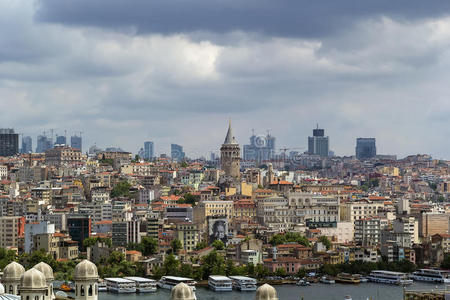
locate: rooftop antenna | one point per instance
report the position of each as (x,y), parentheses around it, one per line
(317,125)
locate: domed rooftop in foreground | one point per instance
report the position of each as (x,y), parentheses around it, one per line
(85,270)
(13,272)
(33,280)
(4,296)
(46,270)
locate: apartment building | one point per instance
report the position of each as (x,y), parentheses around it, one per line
(12,228)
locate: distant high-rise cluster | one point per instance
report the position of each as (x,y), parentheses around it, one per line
(61,140)
(43,143)
(9,142)
(176,152)
(27,145)
(318,144)
(149,150)
(76,142)
(365,148)
(261,148)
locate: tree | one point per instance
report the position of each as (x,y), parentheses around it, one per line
(213,264)
(302,272)
(175,245)
(171,265)
(446,262)
(201,245)
(261,271)
(149,246)
(184,164)
(188,198)
(116,257)
(325,241)
(280,272)
(186,270)
(122,189)
(218,245)
(289,237)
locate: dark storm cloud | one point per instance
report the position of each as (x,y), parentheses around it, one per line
(293,18)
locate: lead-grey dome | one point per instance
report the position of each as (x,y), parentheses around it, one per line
(13,272)
(33,280)
(46,270)
(85,270)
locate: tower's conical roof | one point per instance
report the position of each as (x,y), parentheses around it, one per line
(229,139)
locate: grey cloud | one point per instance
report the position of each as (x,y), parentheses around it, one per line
(295,18)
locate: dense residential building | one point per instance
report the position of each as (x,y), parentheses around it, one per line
(12,228)
(62,155)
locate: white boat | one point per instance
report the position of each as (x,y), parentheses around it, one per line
(431,275)
(120,285)
(327,280)
(102,287)
(303,282)
(220,283)
(244,283)
(389,277)
(143,285)
(168,282)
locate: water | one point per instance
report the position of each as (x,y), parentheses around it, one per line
(316,291)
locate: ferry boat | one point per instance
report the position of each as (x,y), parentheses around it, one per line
(303,282)
(347,278)
(120,285)
(143,285)
(102,286)
(327,280)
(431,275)
(244,283)
(168,282)
(220,283)
(381,276)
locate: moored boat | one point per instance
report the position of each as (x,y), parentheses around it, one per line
(389,277)
(220,283)
(169,282)
(431,275)
(347,278)
(143,285)
(244,283)
(120,285)
(327,280)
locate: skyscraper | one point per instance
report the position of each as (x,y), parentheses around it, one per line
(318,144)
(365,148)
(9,142)
(27,144)
(148,150)
(75,142)
(61,140)
(230,155)
(43,144)
(261,148)
(176,152)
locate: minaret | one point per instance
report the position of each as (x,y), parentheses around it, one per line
(11,277)
(230,155)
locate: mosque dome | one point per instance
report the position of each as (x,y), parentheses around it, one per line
(266,292)
(46,270)
(33,280)
(85,270)
(182,292)
(13,272)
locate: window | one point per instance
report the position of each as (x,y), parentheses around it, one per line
(82,290)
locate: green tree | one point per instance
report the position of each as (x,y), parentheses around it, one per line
(122,189)
(116,257)
(149,246)
(188,198)
(280,272)
(213,264)
(184,164)
(171,265)
(186,270)
(325,241)
(218,245)
(302,272)
(175,245)
(201,245)
(261,271)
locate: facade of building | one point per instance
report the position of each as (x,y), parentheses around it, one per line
(261,148)
(61,140)
(318,144)
(9,142)
(79,228)
(43,143)
(149,153)
(368,232)
(35,228)
(365,148)
(60,155)
(176,152)
(12,228)
(189,235)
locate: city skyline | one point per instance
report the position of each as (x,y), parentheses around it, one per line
(379,71)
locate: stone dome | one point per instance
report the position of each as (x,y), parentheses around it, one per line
(266,292)
(46,270)
(13,272)
(85,270)
(33,280)
(182,292)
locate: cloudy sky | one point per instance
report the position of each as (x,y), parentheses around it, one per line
(123,72)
